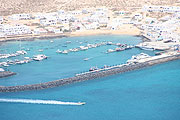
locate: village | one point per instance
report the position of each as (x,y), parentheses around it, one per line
(139,22)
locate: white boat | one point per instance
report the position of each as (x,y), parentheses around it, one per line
(65,52)
(40,50)
(21,52)
(27,57)
(110,50)
(86,59)
(83,47)
(58,51)
(39,57)
(67,42)
(2,70)
(109,43)
(119,49)
(5,64)
(21,62)
(81,103)
(51,41)
(147,48)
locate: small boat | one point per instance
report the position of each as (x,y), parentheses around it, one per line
(109,43)
(39,57)
(27,57)
(58,51)
(81,103)
(64,46)
(27,49)
(40,50)
(65,52)
(93,68)
(83,47)
(86,59)
(5,64)
(119,49)
(21,52)
(147,48)
(22,62)
(67,42)
(128,47)
(10,62)
(110,50)
(51,41)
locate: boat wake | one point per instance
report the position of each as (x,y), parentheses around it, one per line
(30,101)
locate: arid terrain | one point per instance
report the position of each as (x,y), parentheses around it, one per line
(8,7)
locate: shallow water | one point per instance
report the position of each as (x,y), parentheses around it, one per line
(147,94)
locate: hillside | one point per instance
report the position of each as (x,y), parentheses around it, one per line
(29,6)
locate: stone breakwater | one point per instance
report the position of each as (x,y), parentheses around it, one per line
(6,74)
(89,76)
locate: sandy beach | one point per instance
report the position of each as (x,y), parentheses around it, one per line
(124,30)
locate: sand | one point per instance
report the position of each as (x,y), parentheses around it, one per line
(124,30)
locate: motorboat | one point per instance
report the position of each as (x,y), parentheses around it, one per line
(39,57)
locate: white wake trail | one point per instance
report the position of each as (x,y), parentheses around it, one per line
(30,101)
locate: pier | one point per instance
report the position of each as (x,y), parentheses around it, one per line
(96,74)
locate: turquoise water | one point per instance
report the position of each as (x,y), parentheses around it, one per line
(62,66)
(148,94)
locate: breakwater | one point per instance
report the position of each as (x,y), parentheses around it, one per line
(90,75)
(6,74)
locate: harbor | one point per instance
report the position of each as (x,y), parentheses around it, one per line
(97,73)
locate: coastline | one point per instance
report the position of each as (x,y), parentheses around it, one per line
(125,30)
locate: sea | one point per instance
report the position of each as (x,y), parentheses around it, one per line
(151,93)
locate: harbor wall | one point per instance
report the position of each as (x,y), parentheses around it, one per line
(88,76)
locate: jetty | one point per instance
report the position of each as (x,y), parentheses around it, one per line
(153,60)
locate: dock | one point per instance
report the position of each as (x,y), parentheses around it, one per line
(154,60)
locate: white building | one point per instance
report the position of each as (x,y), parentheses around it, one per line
(138,16)
(20,16)
(166,9)
(48,22)
(9,30)
(91,26)
(1,19)
(61,12)
(38,31)
(2,34)
(77,12)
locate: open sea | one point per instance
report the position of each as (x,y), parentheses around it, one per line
(152,93)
